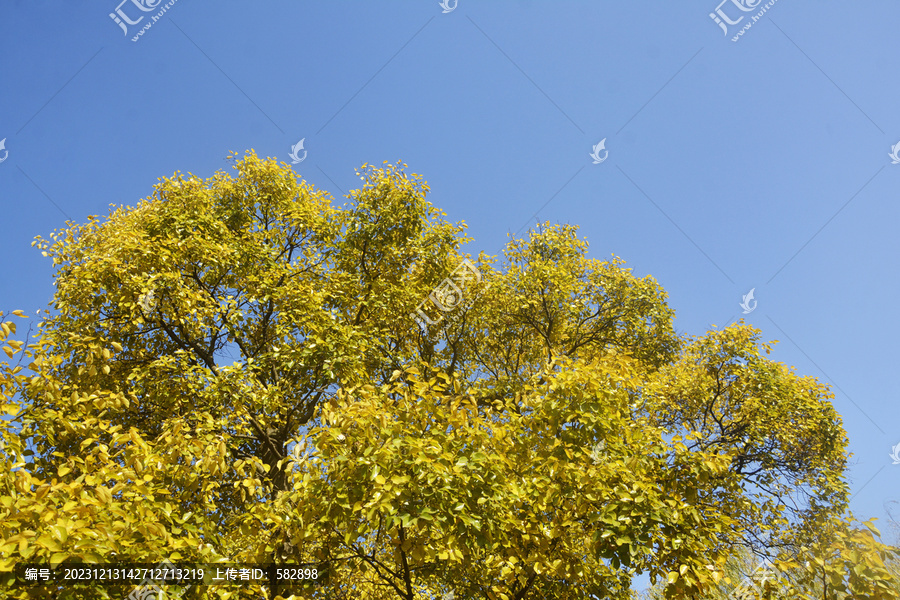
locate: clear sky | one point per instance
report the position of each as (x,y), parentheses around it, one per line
(761,163)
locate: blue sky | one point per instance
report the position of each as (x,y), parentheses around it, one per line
(761,163)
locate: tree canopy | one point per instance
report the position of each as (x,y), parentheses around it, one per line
(237,370)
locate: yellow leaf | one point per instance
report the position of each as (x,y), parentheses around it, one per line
(57,558)
(60,533)
(104,494)
(49,543)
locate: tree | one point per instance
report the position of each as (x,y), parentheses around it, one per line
(104,502)
(845,561)
(250,374)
